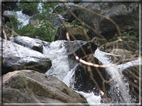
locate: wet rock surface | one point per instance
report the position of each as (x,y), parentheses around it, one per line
(89,79)
(34,44)
(16,57)
(80,48)
(27,86)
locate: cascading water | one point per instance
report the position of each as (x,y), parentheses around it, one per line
(60,69)
(57,53)
(122,93)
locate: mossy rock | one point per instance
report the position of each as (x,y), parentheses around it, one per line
(76,32)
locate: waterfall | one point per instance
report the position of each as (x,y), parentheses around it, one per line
(60,69)
(122,92)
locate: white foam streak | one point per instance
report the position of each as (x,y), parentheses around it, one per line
(69,75)
(129,64)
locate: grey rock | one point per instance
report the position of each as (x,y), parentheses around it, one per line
(56,19)
(31,43)
(16,57)
(27,86)
(125,15)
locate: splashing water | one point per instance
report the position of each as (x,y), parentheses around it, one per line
(60,68)
(122,92)
(90,97)
(57,53)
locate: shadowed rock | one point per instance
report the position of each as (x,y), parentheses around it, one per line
(16,57)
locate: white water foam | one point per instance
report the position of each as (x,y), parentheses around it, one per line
(91,98)
(57,53)
(39,7)
(60,68)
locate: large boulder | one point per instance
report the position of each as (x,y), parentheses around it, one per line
(125,15)
(27,86)
(34,44)
(16,57)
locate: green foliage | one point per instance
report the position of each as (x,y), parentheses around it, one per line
(75,22)
(29,6)
(13,23)
(43,29)
(129,35)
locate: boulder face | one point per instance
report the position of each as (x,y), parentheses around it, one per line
(16,57)
(27,86)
